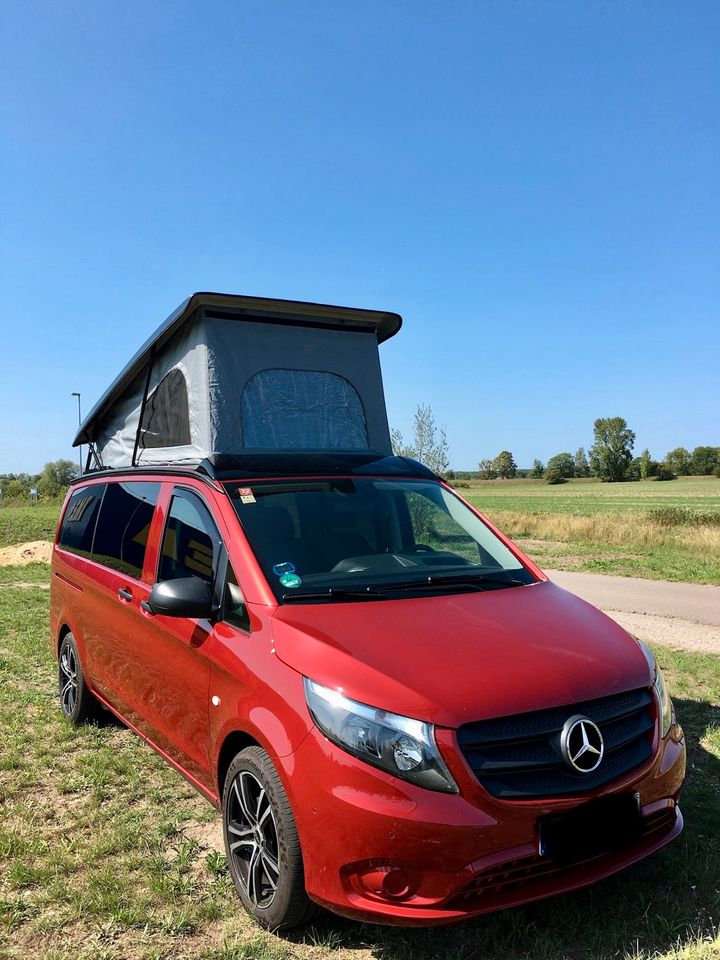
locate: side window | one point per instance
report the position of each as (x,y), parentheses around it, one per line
(78,526)
(123,526)
(166,418)
(234,609)
(191,541)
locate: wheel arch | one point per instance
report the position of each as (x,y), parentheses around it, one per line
(234,742)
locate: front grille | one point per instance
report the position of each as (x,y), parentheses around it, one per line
(518,757)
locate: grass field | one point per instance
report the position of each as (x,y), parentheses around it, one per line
(104,848)
(666,531)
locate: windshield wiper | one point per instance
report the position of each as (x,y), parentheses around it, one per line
(336,593)
(477,581)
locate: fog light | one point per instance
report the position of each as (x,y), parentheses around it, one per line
(396,884)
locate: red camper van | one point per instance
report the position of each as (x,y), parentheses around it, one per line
(400,717)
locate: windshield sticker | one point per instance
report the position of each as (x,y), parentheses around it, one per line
(246,495)
(291,580)
(280,568)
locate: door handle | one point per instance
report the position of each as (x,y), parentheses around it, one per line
(125,595)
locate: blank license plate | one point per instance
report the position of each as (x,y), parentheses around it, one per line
(599,826)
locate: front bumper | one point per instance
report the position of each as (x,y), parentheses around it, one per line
(382,850)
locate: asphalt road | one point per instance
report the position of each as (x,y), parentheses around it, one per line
(683,615)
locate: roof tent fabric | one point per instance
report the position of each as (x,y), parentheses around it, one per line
(227,375)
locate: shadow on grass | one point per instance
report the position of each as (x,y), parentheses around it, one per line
(668,900)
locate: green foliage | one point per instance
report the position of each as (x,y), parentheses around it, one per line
(429,446)
(538,469)
(504,465)
(582,467)
(664,472)
(562,464)
(679,461)
(554,475)
(487,471)
(56,478)
(644,463)
(703,460)
(611,454)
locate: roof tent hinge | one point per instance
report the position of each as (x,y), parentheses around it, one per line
(92,455)
(151,360)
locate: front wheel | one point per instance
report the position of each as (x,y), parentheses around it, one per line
(261,843)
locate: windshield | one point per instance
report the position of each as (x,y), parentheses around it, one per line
(367,538)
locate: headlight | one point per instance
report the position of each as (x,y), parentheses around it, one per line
(403,747)
(660,688)
(664,701)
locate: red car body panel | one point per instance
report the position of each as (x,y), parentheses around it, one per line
(499,652)
(192,687)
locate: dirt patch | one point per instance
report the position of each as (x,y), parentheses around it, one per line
(19,555)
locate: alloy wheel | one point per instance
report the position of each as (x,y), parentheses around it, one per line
(68,679)
(253,839)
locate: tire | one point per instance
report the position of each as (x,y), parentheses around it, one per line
(262,845)
(76,701)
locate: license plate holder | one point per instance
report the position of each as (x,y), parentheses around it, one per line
(596,827)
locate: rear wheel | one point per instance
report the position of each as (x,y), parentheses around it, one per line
(76,701)
(261,843)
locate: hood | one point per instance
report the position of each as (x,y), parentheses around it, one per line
(453,659)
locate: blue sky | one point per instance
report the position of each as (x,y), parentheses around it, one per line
(535,186)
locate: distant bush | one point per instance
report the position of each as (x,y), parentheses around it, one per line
(664,472)
(681,517)
(716,471)
(554,475)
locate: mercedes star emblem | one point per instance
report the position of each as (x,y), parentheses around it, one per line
(581,744)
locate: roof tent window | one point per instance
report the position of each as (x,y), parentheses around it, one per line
(166,419)
(302,410)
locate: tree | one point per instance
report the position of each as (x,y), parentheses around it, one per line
(703,460)
(55,478)
(538,469)
(611,454)
(582,467)
(554,475)
(504,465)
(486,469)
(678,460)
(644,464)
(429,444)
(564,463)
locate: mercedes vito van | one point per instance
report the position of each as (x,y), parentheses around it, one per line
(399,716)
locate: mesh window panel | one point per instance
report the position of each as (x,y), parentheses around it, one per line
(302,410)
(166,419)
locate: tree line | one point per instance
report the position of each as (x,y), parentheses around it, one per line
(51,483)
(610,459)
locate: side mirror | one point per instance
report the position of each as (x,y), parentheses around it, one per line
(184,597)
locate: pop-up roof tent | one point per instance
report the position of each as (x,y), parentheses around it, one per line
(227,374)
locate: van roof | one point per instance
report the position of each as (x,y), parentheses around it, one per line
(225,306)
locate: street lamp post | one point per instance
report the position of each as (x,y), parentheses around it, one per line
(76,394)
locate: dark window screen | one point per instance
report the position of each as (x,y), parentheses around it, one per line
(78,526)
(166,418)
(191,541)
(123,526)
(302,410)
